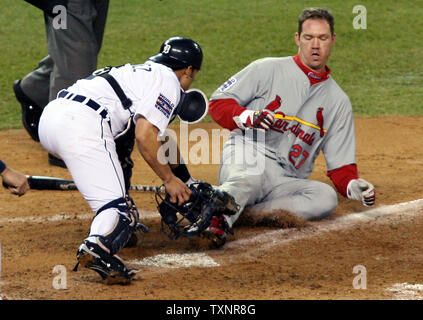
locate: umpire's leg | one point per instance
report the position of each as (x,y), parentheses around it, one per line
(74,49)
(36,84)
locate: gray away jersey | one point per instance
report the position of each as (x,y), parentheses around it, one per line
(295,138)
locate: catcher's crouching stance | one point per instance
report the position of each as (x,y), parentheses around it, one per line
(84,128)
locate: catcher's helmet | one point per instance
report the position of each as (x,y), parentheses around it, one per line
(179,53)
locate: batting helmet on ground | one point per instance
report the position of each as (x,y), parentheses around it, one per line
(179,53)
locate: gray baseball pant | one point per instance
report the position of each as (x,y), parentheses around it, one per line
(72,51)
(259,182)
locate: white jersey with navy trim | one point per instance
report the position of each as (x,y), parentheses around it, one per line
(153,88)
(83,135)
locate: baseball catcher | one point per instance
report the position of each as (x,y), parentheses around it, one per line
(93,125)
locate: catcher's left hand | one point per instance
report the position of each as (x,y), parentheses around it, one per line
(361,190)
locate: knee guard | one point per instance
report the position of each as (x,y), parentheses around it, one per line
(126,225)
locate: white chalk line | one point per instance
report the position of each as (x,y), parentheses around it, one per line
(270,239)
(406,291)
(263,241)
(267,240)
(144,214)
(185,260)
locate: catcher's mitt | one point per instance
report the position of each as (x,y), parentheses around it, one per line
(194,216)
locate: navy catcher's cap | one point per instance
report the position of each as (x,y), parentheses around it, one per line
(179,53)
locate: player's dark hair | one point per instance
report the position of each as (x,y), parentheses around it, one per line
(316,13)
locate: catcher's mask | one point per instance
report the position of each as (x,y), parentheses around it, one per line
(193,106)
(189,219)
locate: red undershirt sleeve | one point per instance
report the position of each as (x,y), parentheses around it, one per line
(223,112)
(342,176)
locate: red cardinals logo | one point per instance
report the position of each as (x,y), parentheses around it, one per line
(320,121)
(275,104)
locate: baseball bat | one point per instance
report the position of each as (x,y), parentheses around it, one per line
(53,183)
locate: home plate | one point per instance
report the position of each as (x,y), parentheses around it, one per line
(185,260)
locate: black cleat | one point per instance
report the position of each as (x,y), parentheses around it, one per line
(31,112)
(111,268)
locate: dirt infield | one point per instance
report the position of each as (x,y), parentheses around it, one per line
(321,260)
